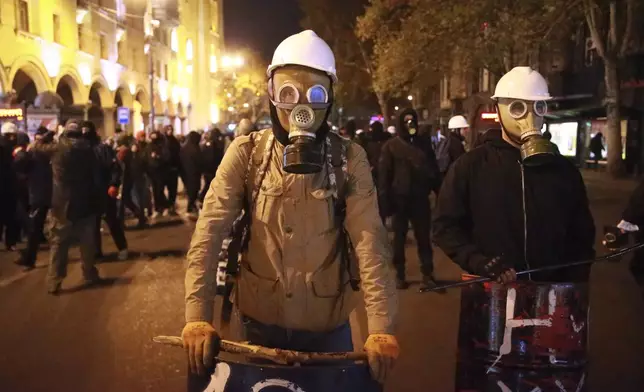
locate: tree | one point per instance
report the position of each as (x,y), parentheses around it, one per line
(242,90)
(335,22)
(610,23)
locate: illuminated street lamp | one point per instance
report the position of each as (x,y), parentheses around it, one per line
(410,98)
(246,105)
(396,108)
(231,109)
(232,62)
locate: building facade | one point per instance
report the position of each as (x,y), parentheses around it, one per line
(111,61)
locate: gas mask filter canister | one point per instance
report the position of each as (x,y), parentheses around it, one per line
(303,155)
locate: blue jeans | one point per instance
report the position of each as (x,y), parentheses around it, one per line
(273,336)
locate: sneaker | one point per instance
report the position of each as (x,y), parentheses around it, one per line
(401,284)
(123,254)
(429,284)
(156,214)
(54,289)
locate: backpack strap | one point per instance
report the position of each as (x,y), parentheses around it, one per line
(258,162)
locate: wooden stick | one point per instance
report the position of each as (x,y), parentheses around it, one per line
(283,357)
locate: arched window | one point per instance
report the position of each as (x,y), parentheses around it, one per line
(174,41)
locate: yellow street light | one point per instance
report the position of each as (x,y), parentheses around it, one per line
(231,109)
(246,105)
(409,97)
(396,108)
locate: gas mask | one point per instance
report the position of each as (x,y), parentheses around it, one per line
(522,122)
(301,98)
(412,129)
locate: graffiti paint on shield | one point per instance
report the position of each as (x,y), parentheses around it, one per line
(220,377)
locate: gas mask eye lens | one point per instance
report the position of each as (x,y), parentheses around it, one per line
(288,94)
(540,108)
(317,94)
(518,109)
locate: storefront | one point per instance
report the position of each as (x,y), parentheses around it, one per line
(14,114)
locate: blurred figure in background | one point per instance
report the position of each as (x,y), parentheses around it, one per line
(109,179)
(191,161)
(173,169)
(141,184)
(244,128)
(157,162)
(73,204)
(9,224)
(125,158)
(212,151)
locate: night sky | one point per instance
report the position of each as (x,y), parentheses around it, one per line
(260,24)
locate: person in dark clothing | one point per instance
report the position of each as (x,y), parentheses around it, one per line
(407,174)
(500,211)
(191,161)
(109,180)
(73,205)
(173,169)
(372,143)
(10,226)
(450,148)
(597,148)
(157,162)
(125,158)
(139,167)
(37,167)
(632,222)
(212,152)
(349,130)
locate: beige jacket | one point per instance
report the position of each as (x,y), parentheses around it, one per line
(289,275)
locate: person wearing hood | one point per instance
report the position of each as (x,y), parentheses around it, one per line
(295,288)
(74,203)
(125,159)
(372,143)
(173,170)
(158,164)
(407,174)
(140,172)
(37,167)
(514,203)
(212,151)
(109,180)
(10,222)
(450,148)
(191,161)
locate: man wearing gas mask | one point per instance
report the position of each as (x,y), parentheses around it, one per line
(408,174)
(309,194)
(514,203)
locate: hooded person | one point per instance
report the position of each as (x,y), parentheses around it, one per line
(74,203)
(514,203)
(450,148)
(109,176)
(173,169)
(157,163)
(192,163)
(293,289)
(407,174)
(212,151)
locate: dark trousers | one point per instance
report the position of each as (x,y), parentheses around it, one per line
(115,225)
(192,184)
(171,182)
(207,179)
(35,237)
(128,202)
(417,211)
(62,235)
(158,184)
(276,337)
(10,228)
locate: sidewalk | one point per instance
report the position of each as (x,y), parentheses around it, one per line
(601,179)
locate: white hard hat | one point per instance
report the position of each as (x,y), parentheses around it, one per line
(522,83)
(306,49)
(457,122)
(9,127)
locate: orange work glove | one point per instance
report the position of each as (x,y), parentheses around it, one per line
(201,342)
(113,192)
(382,352)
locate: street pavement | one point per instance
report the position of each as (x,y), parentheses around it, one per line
(99,339)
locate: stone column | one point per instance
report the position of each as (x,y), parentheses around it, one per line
(109,121)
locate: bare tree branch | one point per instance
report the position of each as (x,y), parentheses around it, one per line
(628,30)
(589,12)
(612,26)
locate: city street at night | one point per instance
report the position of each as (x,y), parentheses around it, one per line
(100,339)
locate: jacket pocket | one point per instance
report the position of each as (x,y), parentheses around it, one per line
(257,296)
(321,212)
(331,296)
(268,203)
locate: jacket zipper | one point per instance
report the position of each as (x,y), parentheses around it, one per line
(525,221)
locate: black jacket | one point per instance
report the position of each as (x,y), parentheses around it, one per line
(212,151)
(157,157)
(36,167)
(191,158)
(480,212)
(372,142)
(75,186)
(174,151)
